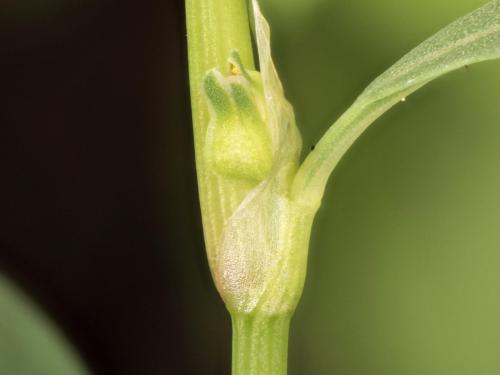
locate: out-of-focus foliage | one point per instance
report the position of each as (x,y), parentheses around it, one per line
(403,275)
(29,342)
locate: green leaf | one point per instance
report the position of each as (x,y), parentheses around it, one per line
(471,39)
(30,343)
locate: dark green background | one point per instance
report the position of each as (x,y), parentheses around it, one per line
(102,226)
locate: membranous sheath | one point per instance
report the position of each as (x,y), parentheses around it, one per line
(252,139)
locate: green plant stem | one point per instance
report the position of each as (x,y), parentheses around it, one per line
(260,344)
(214,29)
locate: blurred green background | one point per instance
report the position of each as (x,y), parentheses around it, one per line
(404,270)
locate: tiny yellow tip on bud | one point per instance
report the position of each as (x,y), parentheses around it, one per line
(235,71)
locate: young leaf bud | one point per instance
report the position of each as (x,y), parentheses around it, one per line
(238,144)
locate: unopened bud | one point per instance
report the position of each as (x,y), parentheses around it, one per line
(238,143)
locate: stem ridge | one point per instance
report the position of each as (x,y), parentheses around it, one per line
(260,344)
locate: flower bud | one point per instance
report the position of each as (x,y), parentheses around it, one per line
(238,144)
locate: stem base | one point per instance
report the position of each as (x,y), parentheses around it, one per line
(260,344)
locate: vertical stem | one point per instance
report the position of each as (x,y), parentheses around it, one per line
(260,344)
(214,28)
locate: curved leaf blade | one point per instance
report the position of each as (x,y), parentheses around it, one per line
(470,39)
